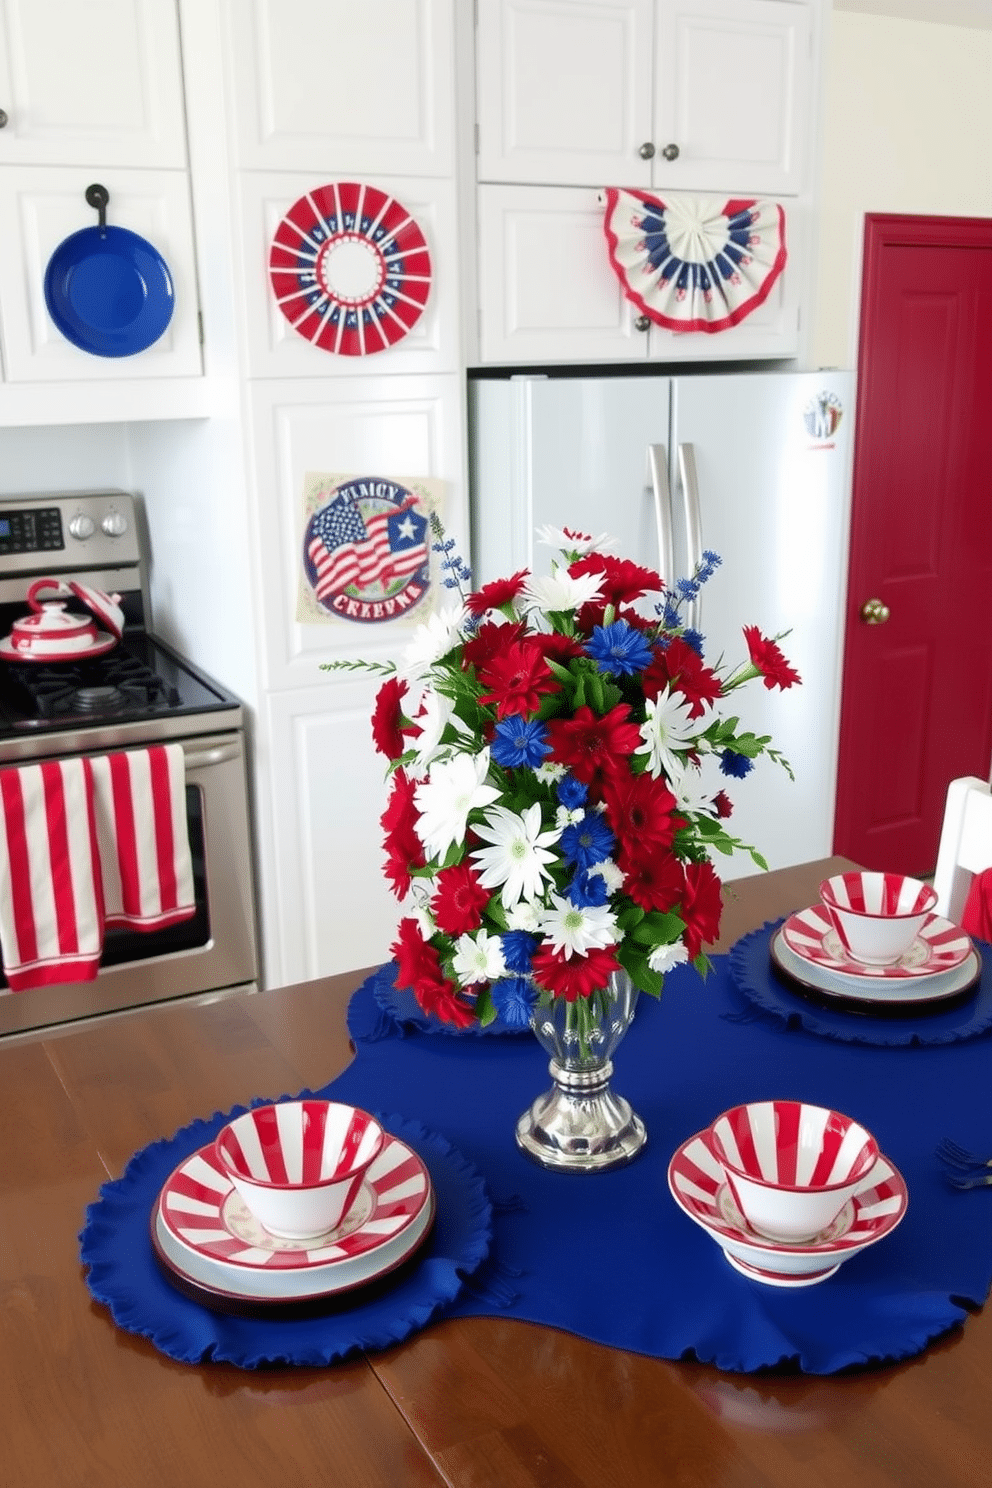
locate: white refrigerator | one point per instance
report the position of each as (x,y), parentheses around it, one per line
(755,466)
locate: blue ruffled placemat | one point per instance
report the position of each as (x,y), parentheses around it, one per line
(125,1277)
(753,973)
(401,1011)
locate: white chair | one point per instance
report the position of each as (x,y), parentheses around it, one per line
(965,843)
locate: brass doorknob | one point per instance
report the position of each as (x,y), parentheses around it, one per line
(874,612)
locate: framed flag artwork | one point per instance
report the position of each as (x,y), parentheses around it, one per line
(366,549)
(350,269)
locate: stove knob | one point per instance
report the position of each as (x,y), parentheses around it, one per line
(82,526)
(114,524)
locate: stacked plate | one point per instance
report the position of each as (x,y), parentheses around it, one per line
(698,1183)
(940,965)
(213,1248)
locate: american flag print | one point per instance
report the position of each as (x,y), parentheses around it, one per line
(366,551)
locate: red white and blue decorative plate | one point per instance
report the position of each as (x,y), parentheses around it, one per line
(939,947)
(205,1234)
(350,269)
(699,1186)
(694,263)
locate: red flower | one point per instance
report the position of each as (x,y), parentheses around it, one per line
(767,657)
(639,809)
(497,594)
(620,580)
(459,900)
(591,746)
(489,640)
(387,718)
(560,648)
(574,976)
(517,679)
(724,805)
(404,849)
(419,968)
(678,665)
(654,878)
(702,906)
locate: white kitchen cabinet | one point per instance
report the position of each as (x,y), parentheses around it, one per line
(277,349)
(548,292)
(326,85)
(41,207)
(694,95)
(100,81)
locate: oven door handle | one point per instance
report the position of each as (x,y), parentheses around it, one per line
(196,759)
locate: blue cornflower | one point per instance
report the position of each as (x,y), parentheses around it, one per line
(618,648)
(688,588)
(738,765)
(588,889)
(518,741)
(711,562)
(694,639)
(572,792)
(587,842)
(514,998)
(518,950)
(669,614)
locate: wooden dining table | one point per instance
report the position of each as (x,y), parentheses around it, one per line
(470,1402)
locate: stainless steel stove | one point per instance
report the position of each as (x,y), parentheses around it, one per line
(140,692)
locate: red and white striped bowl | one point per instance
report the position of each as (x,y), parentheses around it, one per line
(791,1166)
(877,915)
(299,1165)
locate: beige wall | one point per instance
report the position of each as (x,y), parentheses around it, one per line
(907,128)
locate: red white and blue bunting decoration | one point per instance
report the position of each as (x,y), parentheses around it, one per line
(350,269)
(694,263)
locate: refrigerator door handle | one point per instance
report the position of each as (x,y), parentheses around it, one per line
(689,481)
(662,495)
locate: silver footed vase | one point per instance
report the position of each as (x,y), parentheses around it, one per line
(580,1125)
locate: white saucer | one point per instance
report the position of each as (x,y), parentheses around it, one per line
(698,1185)
(203,1232)
(875,992)
(38,657)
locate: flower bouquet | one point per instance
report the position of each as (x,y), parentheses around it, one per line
(549,828)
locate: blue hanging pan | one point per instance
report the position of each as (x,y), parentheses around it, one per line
(108,290)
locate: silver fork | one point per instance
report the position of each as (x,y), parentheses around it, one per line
(969,1180)
(959,1157)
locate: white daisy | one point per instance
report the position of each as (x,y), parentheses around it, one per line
(574,542)
(558,591)
(478,958)
(575,930)
(524,916)
(667,729)
(550,774)
(518,854)
(452,789)
(431,640)
(564,817)
(435,714)
(692,794)
(664,957)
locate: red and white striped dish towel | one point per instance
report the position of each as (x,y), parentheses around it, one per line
(84,843)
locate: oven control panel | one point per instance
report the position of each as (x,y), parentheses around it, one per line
(63,530)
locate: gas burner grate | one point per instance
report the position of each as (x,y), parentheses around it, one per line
(104,687)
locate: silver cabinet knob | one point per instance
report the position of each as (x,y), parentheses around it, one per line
(642,323)
(3,117)
(874,612)
(82,526)
(646,151)
(114,524)
(671,152)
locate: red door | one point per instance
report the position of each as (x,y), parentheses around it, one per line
(916,707)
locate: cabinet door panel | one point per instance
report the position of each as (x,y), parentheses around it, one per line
(564,91)
(100,81)
(39,210)
(733,79)
(546,288)
(277,349)
(382,426)
(326,906)
(354,85)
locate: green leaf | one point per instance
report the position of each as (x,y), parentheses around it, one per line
(485,1011)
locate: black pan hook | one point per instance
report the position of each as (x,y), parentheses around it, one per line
(98,196)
